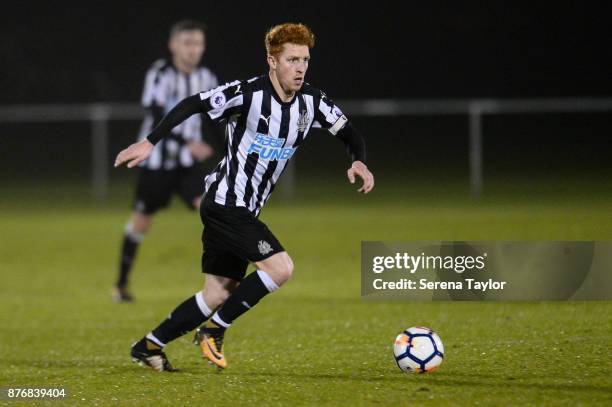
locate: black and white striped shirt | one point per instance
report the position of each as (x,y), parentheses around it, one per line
(263,133)
(164,87)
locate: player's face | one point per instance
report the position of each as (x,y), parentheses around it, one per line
(290,66)
(187,47)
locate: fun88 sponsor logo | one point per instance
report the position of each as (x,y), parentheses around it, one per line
(270,148)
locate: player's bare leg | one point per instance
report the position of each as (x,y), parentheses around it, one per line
(279,267)
(192,312)
(217,289)
(270,275)
(135,230)
(210,338)
(196,202)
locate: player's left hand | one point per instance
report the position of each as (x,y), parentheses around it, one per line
(200,151)
(359,169)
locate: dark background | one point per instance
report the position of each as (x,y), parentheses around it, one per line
(98,52)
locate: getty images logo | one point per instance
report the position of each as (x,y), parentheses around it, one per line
(405,261)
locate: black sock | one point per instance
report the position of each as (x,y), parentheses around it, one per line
(128,252)
(244,297)
(146,344)
(186,317)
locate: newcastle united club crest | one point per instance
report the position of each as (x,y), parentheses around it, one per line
(303,121)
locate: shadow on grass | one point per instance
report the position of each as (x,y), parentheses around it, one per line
(123,367)
(438,379)
(419,381)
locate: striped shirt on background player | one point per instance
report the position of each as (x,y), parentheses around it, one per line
(164,87)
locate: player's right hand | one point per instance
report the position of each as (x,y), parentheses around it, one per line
(135,154)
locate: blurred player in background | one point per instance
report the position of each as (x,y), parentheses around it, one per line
(267,119)
(174,165)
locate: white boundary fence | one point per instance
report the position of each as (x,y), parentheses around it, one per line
(99,115)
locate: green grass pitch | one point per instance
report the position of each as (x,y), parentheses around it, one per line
(313,342)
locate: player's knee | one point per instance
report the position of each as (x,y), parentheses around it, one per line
(133,232)
(289,267)
(284,270)
(140,223)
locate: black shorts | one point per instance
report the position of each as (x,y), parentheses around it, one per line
(232,238)
(155,187)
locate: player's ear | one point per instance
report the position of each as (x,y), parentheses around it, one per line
(173,43)
(271,61)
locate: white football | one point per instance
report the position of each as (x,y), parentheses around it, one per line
(418,349)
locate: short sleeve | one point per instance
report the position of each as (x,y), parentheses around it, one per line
(328,115)
(223,101)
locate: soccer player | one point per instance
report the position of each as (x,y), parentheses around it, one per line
(174,165)
(267,119)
